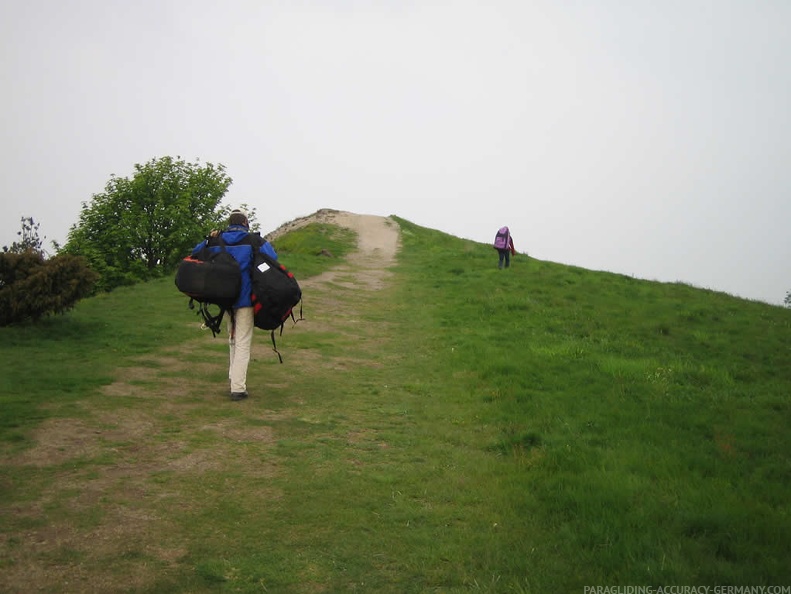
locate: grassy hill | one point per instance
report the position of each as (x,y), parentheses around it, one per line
(537,429)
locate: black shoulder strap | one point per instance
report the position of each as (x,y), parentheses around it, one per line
(213,323)
(213,240)
(255,239)
(274,346)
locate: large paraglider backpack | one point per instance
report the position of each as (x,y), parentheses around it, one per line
(501,239)
(210,277)
(275,293)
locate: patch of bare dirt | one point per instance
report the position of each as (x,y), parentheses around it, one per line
(378,241)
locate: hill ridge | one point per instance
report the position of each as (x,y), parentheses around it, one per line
(378,242)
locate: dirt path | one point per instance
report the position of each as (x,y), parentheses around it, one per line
(160,394)
(378,242)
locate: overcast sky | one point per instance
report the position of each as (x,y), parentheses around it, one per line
(646,137)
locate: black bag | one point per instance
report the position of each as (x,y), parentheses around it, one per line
(275,295)
(210,278)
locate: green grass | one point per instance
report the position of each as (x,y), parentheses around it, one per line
(309,248)
(537,429)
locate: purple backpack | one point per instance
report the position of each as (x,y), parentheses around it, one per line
(501,239)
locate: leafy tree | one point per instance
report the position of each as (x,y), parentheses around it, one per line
(140,227)
(788,299)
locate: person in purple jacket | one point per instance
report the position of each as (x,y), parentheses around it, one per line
(239,243)
(504,244)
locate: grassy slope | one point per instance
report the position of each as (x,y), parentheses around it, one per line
(536,429)
(646,422)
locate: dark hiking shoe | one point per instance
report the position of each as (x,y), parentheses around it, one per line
(236,396)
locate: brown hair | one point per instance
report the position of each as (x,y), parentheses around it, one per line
(238,218)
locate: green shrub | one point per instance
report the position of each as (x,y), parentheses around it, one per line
(32,287)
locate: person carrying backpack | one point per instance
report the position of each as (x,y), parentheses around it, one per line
(239,243)
(504,244)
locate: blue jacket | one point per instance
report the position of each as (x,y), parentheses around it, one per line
(235,238)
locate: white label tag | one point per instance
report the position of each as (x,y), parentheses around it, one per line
(263,267)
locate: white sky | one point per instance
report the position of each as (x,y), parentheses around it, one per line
(650,138)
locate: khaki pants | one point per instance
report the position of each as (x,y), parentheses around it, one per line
(239,340)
